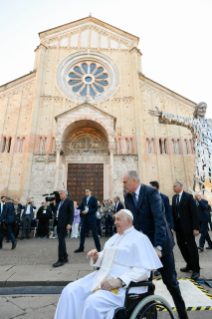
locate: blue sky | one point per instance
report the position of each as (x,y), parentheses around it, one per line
(175,37)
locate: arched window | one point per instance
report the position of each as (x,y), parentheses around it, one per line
(3,144)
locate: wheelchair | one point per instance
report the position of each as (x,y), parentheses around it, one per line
(145,305)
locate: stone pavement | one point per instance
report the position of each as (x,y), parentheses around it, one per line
(31,265)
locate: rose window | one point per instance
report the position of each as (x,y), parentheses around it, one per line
(88,79)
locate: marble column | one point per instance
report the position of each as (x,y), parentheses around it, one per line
(57,167)
(111,172)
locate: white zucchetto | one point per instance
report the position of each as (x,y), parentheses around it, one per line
(128,212)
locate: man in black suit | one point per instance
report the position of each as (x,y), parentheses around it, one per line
(118,205)
(149,217)
(27,217)
(8,216)
(165,201)
(16,223)
(64,217)
(186,225)
(204,218)
(2,226)
(88,209)
(168,212)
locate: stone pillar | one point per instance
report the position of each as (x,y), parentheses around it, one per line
(111,172)
(57,167)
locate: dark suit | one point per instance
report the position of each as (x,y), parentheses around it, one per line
(185,222)
(118,208)
(2,226)
(149,217)
(8,216)
(168,212)
(88,221)
(16,223)
(204,218)
(64,217)
(27,218)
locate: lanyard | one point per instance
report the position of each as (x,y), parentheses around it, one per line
(60,204)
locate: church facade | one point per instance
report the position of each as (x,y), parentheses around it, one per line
(80,118)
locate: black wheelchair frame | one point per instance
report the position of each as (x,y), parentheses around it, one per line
(145,305)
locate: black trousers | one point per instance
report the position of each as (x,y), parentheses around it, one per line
(2,231)
(168,274)
(188,248)
(109,222)
(204,235)
(43,227)
(62,252)
(92,226)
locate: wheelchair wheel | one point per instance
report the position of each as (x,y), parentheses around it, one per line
(153,307)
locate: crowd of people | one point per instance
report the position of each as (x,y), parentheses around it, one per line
(149,210)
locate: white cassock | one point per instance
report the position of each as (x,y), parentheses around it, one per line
(130,257)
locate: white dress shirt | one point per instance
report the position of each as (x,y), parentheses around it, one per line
(180,195)
(28,210)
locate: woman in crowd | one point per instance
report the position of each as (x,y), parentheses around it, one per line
(75,226)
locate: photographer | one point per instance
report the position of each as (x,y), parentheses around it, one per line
(44,215)
(27,217)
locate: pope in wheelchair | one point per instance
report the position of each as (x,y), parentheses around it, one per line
(128,258)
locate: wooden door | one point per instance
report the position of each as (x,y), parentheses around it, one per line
(81,176)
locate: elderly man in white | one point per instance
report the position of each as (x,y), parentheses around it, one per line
(127,256)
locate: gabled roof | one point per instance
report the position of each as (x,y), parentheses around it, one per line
(82,105)
(85,20)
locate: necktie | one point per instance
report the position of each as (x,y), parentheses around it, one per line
(135,199)
(177,207)
(197,204)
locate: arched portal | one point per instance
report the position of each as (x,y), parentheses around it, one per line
(86,159)
(84,136)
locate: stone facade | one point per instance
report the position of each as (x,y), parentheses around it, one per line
(87,88)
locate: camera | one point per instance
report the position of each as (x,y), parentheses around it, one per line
(50,198)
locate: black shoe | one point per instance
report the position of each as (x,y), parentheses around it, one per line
(185,269)
(79,250)
(0,246)
(21,238)
(65,260)
(195,275)
(14,245)
(209,247)
(58,264)
(201,248)
(28,237)
(157,273)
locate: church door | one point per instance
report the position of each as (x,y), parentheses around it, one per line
(81,176)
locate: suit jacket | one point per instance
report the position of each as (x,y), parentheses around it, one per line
(2,214)
(118,208)
(203,211)
(92,205)
(8,214)
(188,213)
(149,217)
(31,211)
(168,212)
(66,213)
(209,213)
